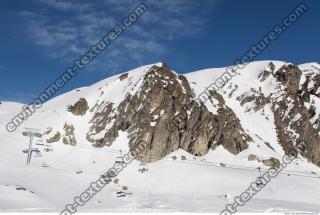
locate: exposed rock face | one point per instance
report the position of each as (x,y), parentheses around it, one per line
(164,114)
(252,157)
(294,103)
(294,112)
(273,162)
(165,97)
(123,76)
(56,137)
(160,108)
(69,137)
(230,134)
(79,108)
(257,98)
(99,122)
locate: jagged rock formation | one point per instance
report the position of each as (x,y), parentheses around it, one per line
(293,118)
(293,106)
(99,122)
(161,108)
(146,114)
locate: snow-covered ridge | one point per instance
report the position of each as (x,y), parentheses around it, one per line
(250,95)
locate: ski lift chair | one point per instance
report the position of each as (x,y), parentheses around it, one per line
(259,177)
(143,170)
(39,144)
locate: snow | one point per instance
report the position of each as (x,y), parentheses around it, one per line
(254,122)
(153,124)
(212,106)
(184,184)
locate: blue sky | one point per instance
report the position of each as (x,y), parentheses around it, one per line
(40,38)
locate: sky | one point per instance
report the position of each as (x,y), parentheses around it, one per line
(40,38)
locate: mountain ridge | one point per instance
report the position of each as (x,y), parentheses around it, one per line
(111,106)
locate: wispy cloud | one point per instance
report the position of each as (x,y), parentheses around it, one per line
(67,6)
(67,28)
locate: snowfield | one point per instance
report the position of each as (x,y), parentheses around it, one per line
(180,182)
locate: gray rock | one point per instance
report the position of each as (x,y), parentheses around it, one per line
(79,108)
(162,97)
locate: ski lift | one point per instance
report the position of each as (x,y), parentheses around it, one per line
(37,135)
(36,150)
(38,155)
(259,177)
(25,133)
(28,133)
(120,194)
(47,149)
(39,143)
(142,170)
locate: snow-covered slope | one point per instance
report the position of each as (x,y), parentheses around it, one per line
(180,181)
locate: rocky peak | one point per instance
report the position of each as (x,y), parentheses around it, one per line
(158,106)
(165,97)
(295,115)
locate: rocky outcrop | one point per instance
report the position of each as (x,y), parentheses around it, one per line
(230,134)
(165,114)
(294,101)
(102,118)
(257,100)
(252,157)
(69,137)
(294,113)
(161,109)
(272,162)
(163,98)
(79,108)
(55,138)
(123,76)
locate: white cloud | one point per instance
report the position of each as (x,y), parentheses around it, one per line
(69,35)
